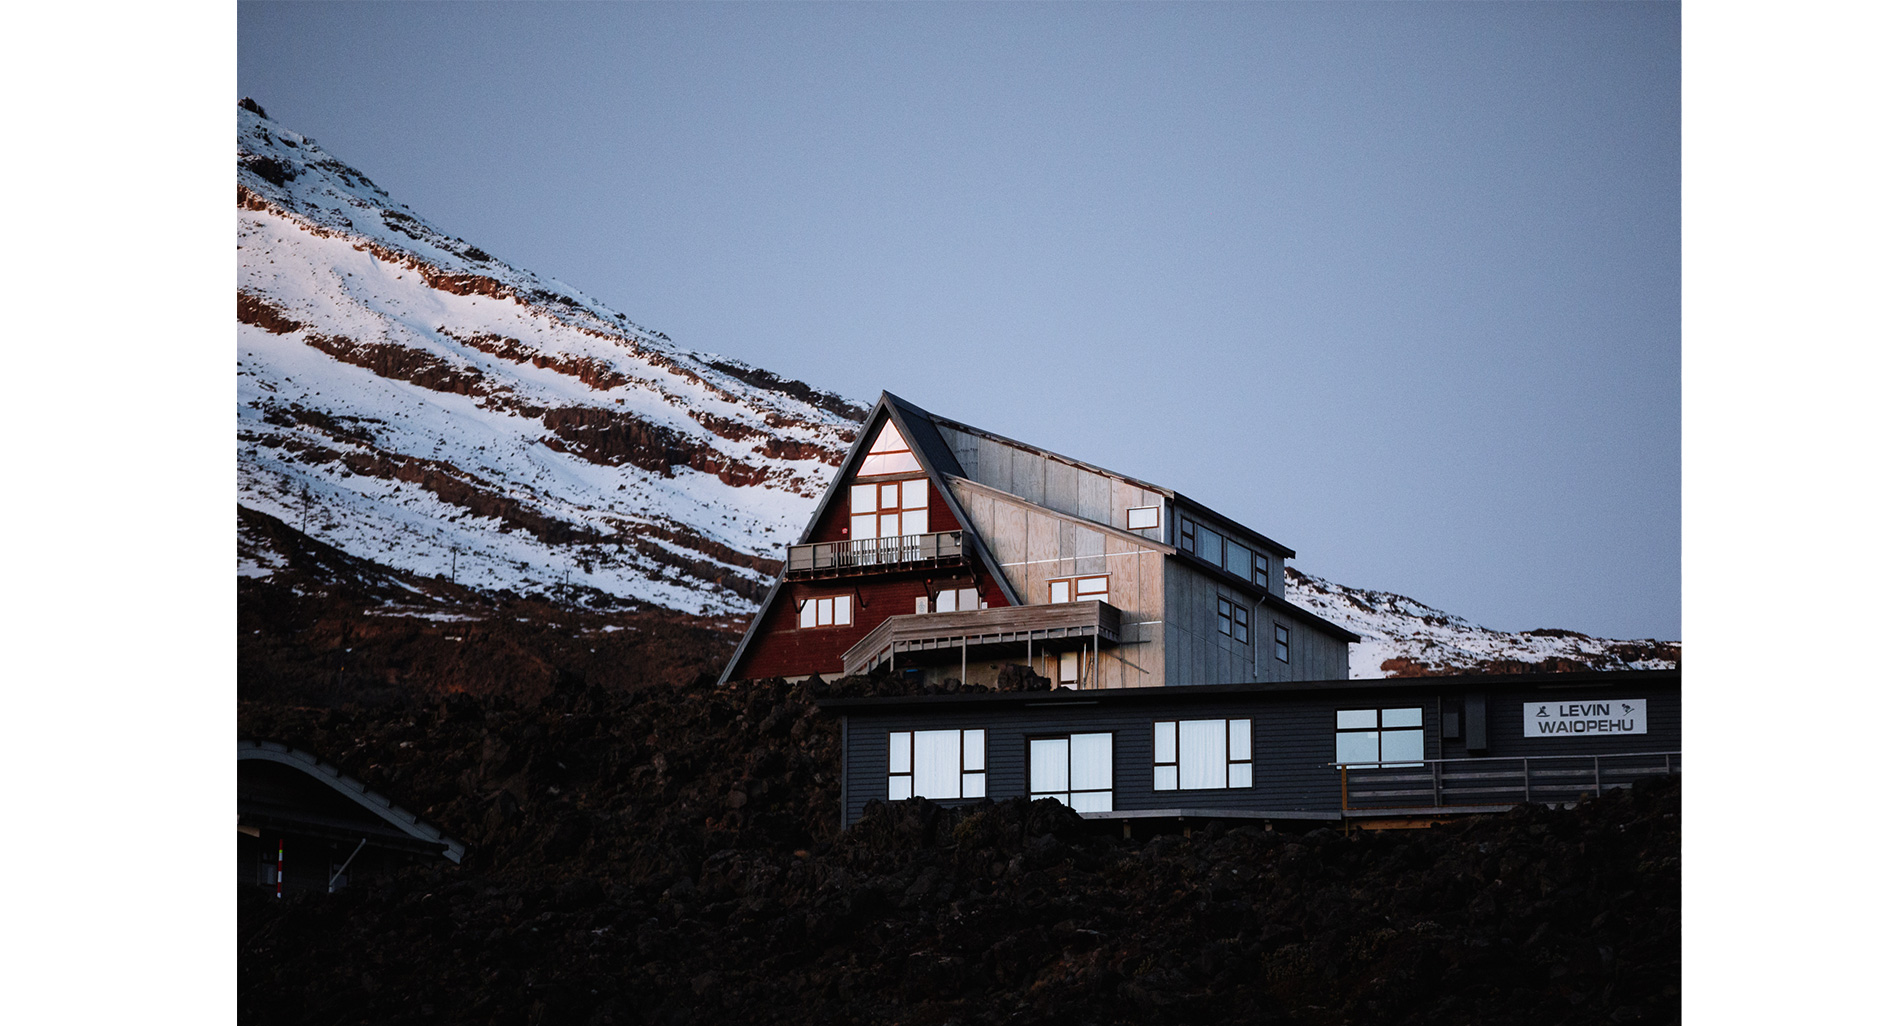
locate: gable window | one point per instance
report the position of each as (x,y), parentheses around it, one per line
(1199,755)
(1231,617)
(830,611)
(1282,643)
(936,764)
(1144,518)
(889,455)
(1369,737)
(1079,589)
(1077,770)
(890,510)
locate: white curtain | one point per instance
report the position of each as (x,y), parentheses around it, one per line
(1091,762)
(939,773)
(1049,766)
(1203,754)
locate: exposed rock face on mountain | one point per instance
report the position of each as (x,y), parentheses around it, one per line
(411,399)
(1404,637)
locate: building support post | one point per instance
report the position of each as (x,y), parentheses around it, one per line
(340,870)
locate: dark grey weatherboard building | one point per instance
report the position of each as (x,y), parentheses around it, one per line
(1316,750)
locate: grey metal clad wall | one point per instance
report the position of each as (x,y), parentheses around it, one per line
(1292,750)
(1293,737)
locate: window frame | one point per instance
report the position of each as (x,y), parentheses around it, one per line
(845,602)
(1129,518)
(871,456)
(1282,642)
(1066,797)
(964,771)
(1379,732)
(1171,729)
(1074,586)
(1232,619)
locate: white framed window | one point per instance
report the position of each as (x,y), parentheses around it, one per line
(1231,619)
(936,764)
(830,611)
(1282,643)
(957,600)
(1200,755)
(1389,737)
(1144,518)
(889,455)
(1077,770)
(1079,589)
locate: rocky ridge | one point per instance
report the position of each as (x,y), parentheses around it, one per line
(410,398)
(1403,637)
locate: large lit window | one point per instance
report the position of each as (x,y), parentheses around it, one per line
(830,611)
(1364,737)
(1078,771)
(891,509)
(936,764)
(1231,618)
(889,455)
(1198,755)
(1079,589)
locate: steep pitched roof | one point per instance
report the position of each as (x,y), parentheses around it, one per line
(919,431)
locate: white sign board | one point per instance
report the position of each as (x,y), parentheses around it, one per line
(1581,719)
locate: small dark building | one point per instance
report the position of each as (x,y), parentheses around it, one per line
(305,826)
(1394,749)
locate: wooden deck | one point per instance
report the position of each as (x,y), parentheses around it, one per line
(1006,625)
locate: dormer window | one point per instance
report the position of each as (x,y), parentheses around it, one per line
(889,455)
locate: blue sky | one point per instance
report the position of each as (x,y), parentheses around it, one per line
(1398,285)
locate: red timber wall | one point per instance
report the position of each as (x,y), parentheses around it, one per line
(780,648)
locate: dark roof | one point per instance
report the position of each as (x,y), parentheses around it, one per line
(920,434)
(1192,692)
(400,820)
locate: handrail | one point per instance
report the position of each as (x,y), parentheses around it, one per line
(1462,777)
(811,557)
(1400,764)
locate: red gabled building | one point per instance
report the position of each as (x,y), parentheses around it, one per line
(945,551)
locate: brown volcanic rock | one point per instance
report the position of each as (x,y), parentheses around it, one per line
(667,854)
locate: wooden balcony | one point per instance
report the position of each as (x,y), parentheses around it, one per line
(985,631)
(875,555)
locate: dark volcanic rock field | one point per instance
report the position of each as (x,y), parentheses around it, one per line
(671,855)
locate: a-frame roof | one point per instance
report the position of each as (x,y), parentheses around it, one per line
(920,433)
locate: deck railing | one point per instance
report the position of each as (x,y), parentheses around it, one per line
(1494,780)
(866,553)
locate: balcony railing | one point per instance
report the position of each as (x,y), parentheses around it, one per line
(1493,781)
(860,554)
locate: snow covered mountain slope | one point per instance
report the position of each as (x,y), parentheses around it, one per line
(410,399)
(1407,638)
(412,402)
